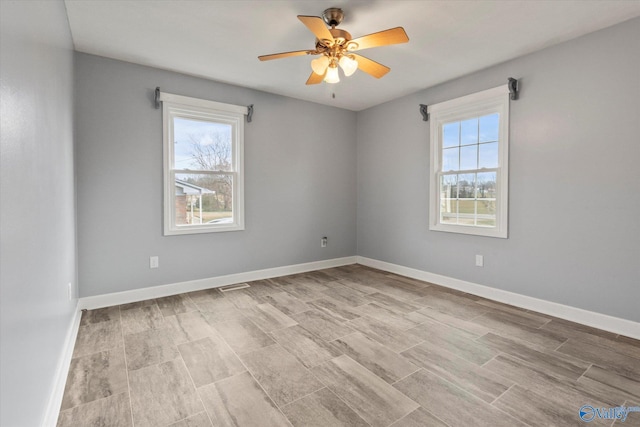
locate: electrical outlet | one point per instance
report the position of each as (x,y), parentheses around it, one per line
(69,291)
(153,262)
(323,242)
(479,261)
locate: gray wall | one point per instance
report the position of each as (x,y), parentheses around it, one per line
(300,182)
(574,234)
(37,249)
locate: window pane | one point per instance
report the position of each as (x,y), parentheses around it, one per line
(450,159)
(488,155)
(487,213)
(489,126)
(448,202)
(201,145)
(203,199)
(486,193)
(469,131)
(449,211)
(449,186)
(486,185)
(467,212)
(469,157)
(451,134)
(466,186)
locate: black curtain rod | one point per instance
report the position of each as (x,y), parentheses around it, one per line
(512,84)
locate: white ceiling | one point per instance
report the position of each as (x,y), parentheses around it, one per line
(221,40)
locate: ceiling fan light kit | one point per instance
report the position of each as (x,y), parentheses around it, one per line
(348,65)
(319,65)
(331,75)
(335,47)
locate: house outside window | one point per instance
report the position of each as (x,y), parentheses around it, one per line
(469,164)
(203,165)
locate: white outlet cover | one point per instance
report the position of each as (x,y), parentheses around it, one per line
(479,261)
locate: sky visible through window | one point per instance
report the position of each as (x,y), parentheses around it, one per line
(470,144)
(185,131)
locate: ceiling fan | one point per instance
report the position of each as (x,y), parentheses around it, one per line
(335,47)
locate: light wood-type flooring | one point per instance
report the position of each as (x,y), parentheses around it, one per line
(347,346)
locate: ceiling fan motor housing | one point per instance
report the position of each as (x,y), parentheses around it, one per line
(333,16)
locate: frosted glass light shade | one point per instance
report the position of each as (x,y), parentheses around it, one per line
(349,66)
(319,65)
(332,75)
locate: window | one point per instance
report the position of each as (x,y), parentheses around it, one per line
(203,168)
(469,164)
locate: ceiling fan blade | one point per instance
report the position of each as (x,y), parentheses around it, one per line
(317,27)
(372,67)
(314,79)
(283,55)
(382,38)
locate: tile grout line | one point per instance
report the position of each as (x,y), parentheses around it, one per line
(252,376)
(476,397)
(402,350)
(585,371)
(499,354)
(336,394)
(413,346)
(93,401)
(126,364)
(193,383)
(237,357)
(304,366)
(354,331)
(165,327)
(405,416)
(481,336)
(108,350)
(561,344)
(552,353)
(502,394)
(406,376)
(544,324)
(505,412)
(324,386)
(420,407)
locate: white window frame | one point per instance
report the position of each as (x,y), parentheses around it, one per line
(200,109)
(479,104)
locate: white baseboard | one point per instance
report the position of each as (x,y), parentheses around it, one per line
(62,370)
(135,295)
(590,318)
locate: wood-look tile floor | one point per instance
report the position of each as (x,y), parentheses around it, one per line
(347,346)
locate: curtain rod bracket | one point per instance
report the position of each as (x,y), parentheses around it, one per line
(157,97)
(514,88)
(249,113)
(424,112)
